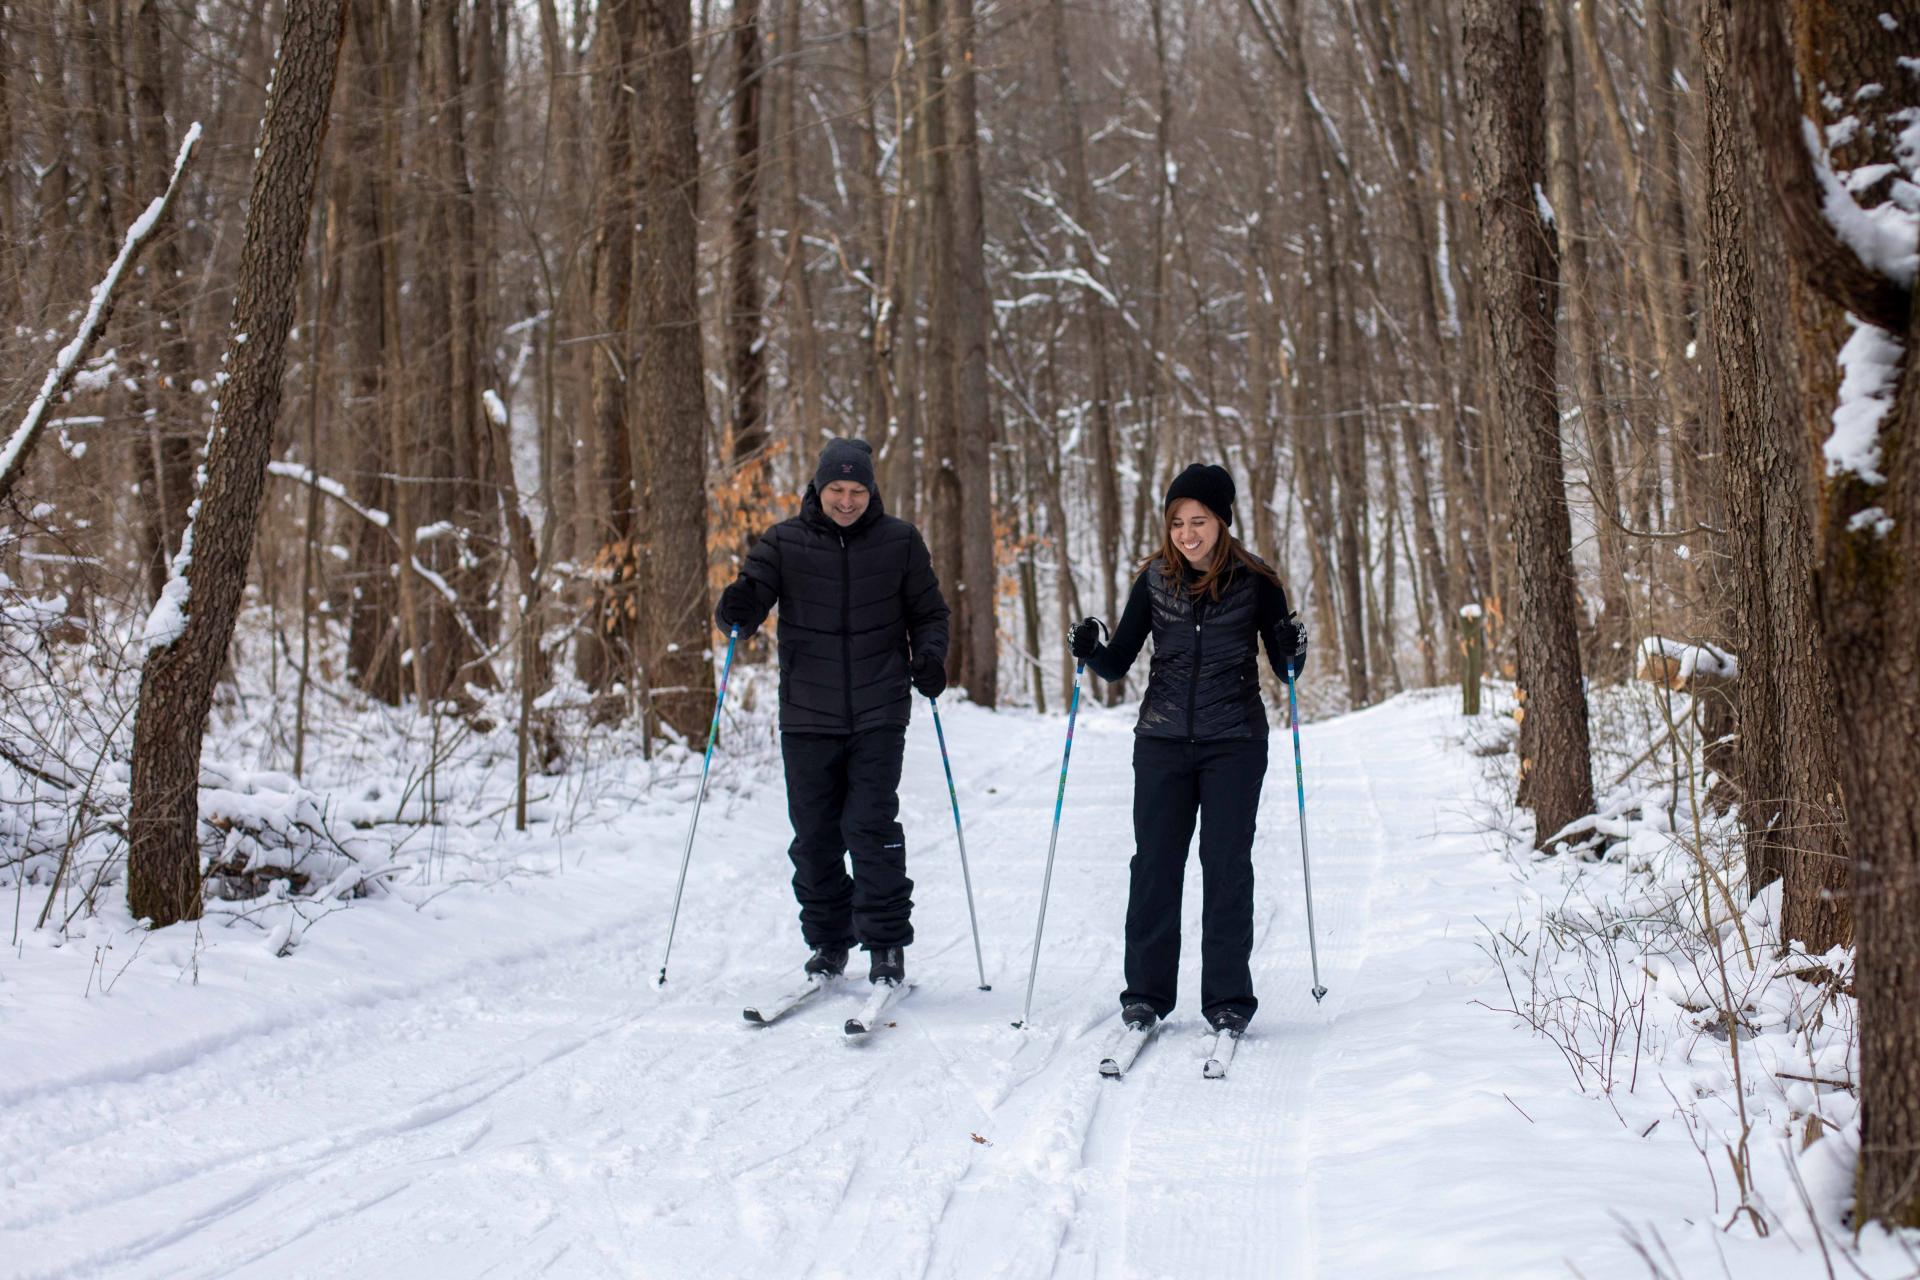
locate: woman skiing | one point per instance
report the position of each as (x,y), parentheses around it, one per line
(1200,748)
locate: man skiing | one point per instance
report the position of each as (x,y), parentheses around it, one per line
(862,625)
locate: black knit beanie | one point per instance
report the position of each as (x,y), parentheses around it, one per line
(845,460)
(1206,484)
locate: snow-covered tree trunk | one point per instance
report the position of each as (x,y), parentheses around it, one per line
(1506,100)
(1855,246)
(188,631)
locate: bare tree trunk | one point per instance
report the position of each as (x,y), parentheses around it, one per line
(1787,771)
(1093,316)
(945,534)
(170,434)
(607,649)
(669,436)
(374,636)
(978,591)
(1612,643)
(188,635)
(1506,100)
(746,354)
(876,345)
(805,379)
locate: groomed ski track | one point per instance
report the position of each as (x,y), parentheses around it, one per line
(539,1107)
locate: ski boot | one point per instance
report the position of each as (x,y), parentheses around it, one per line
(827,962)
(887,964)
(1140,1017)
(1228,1019)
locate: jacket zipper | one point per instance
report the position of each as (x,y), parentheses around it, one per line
(846,627)
(1193,682)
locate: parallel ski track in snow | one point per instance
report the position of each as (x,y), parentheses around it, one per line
(558,1115)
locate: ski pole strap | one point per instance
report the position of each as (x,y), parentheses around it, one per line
(720,698)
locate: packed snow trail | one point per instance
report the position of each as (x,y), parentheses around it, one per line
(506,1093)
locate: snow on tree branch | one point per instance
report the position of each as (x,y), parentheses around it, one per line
(19,446)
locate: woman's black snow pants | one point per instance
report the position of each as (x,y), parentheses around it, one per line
(1174,783)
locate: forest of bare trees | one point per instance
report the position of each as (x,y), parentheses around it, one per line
(1589,317)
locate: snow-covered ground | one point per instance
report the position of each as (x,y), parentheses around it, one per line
(500,1089)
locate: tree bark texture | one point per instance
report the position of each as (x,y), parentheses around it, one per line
(1788,766)
(670,412)
(1869,532)
(1506,103)
(607,650)
(978,591)
(176,686)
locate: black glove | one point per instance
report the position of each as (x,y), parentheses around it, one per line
(929,675)
(1084,638)
(737,605)
(1289,645)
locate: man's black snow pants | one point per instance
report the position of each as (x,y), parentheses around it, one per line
(1173,784)
(843,795)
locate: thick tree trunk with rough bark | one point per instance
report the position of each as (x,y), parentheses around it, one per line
(375,636)
(945,535)
(1788,767)
(977,593)
(670,410)
(1506,101)
(188,635)
(606,653)
(1867,594)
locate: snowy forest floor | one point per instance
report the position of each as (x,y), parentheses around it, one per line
(483,1080)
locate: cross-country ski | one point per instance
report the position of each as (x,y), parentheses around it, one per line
(1125,1045)
(886,994)
(768,1011)
(1225,1042)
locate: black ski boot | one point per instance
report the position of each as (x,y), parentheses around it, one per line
(827,962)
(887,964)
(1228,1019)
(1140,1017)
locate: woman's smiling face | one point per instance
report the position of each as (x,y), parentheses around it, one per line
(1194,530)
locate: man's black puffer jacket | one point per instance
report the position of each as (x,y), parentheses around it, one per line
(855,605)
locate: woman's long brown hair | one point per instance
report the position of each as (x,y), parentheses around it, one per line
(1227,552)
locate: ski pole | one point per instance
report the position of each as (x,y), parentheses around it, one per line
(686,854)
(960,837)
(1046,883)
(1306,870)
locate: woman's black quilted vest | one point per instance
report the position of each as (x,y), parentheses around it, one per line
(1203,685)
